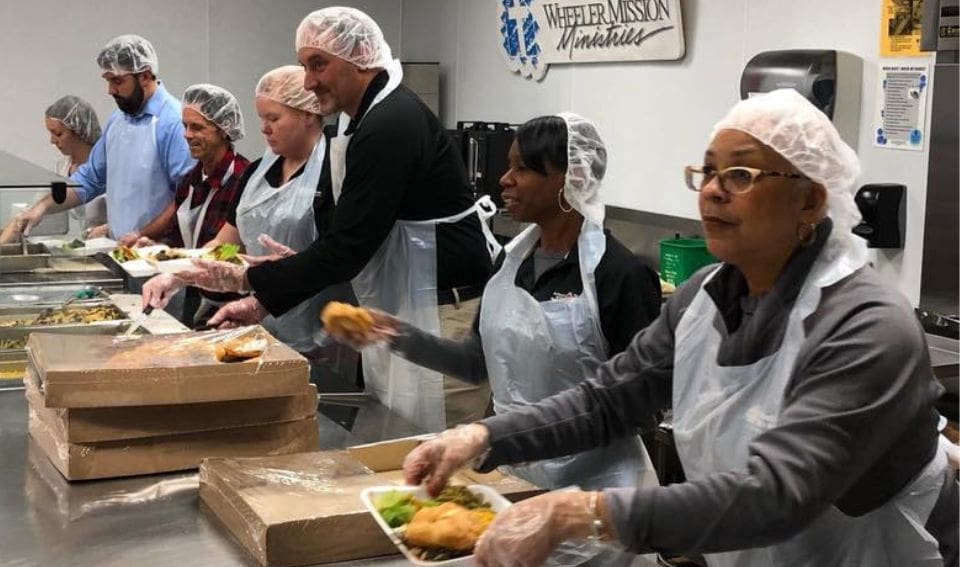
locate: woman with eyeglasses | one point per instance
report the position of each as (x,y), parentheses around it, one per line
(799,381)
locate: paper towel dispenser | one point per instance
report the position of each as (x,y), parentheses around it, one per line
(829,79)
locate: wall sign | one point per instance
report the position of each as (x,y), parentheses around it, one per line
(537,33)
(901,107)
(900,28)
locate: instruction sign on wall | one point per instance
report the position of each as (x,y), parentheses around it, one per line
(901,107)
(535,34)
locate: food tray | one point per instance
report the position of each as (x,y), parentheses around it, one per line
(12,258)
(19,333)
(147,266)
(91,247)
(369,495)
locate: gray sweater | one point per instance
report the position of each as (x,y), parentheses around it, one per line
(856,425)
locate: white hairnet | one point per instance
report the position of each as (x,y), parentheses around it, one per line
(346,33)
(797,130)
(586,166)
(77,116)
(285,85)
(217,105)
(127,54)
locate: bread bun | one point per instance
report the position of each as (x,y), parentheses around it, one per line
(343,318)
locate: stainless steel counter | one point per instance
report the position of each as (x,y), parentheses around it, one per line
(66,271)
(144,521)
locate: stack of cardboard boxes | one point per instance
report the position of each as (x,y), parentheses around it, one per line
(103,407)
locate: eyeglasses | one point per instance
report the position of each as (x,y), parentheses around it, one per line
(737,179)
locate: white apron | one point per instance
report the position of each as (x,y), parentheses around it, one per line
(137,187)
(190,220)
(401,278)
(285,213)
(718,411)
(535,349)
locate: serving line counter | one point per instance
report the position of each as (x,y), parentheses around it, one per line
(148,520)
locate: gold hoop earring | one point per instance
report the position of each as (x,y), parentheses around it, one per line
(808,238)
(560,202)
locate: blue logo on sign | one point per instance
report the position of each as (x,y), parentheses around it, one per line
(519,30)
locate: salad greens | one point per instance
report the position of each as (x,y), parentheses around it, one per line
(398,508)
(225,252)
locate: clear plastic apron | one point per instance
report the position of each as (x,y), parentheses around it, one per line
(190,219)
(401,279)
(137,187)
(536,349)
(285,214)
(718,411)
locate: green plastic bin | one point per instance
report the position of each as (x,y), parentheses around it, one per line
(681,257)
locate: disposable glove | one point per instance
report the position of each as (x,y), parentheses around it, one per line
(436,460)
(246,311)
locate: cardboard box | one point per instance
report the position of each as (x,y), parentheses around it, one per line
(110,459)
(102,371)
(89,425)
(306,509)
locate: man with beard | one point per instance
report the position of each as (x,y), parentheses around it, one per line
(142,155)
(212,122)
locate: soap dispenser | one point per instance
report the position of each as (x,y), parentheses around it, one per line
(883,209)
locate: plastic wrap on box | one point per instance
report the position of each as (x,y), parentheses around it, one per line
(103,371)
(89,425)
(296,509)
(130,457)
(56,502)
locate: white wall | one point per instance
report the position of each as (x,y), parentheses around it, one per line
(656,116)
(49,49)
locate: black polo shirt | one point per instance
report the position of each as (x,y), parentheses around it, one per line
(400,165)
(628,291)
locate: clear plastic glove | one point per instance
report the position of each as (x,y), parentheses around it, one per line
(385,327)
(279,251)
(21,224)
(953,455)
(216,276)
(528,533)
(159,289)
(246,311)
(129,239)
(144,241)
(98,231)
(436,460)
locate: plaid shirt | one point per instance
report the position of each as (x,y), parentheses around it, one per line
(219,206)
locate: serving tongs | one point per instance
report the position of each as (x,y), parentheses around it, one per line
(51,310)
(24,249)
